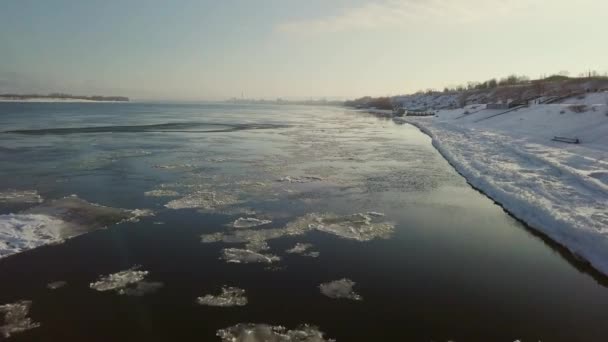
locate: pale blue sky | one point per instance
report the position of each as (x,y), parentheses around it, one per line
(188,49)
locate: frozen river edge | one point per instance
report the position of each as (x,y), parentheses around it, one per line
(561,205)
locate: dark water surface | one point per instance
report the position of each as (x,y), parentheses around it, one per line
(456,267)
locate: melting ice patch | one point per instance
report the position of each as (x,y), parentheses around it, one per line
(56,285)
(129,282)
(249,222)
(245,256)
(342,288)
(208,200)
(20,196)
(303,249)
(248,332)
(230,296)
(15,318)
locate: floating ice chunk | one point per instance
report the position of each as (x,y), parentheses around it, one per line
(57,220)
(174,166)
(141,288)
(161,193)
(257,245)
(213,237)
(300,179)
(203,200)
(266,333)
(245,256)
(355,227)
(359,227)
(230,296)
(136,214)
(20,196)
(312,254)
(83,216)
(342,288)
(375,214)
(119,280)
(299,248)
(129,282)
(249,222)
(15,318)
(20,232)
(302,249)
(56,285)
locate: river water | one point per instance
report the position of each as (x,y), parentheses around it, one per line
(442,263)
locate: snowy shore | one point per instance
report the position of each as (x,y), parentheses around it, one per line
(557,188)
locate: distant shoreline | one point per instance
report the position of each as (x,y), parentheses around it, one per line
(60,98)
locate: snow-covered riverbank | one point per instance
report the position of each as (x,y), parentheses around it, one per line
(557,188)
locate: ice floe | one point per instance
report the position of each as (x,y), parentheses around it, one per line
(161,193)
(359,227)
(248,332)
(55,221)
(15,318)
(249,222)
(129,282)
(208,200)
(20,196)
(142,288)
(230,296)
(300,179)
(20,232)
(303,249)
(245,256)
(56,285)
(137,214)
(338,289)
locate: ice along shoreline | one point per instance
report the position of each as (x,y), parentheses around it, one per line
(578,238)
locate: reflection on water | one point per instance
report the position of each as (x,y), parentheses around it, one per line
(307,215)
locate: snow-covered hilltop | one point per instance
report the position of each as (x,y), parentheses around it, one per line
(546,163)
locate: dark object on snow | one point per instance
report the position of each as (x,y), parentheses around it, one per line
(567,140)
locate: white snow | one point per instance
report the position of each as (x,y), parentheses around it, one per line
(557,188)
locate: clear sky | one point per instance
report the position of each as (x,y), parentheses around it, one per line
(199,49)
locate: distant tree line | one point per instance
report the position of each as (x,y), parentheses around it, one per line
(515,80)
(371,102)
(63,96)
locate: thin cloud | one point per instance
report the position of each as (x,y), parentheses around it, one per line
(401,13)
